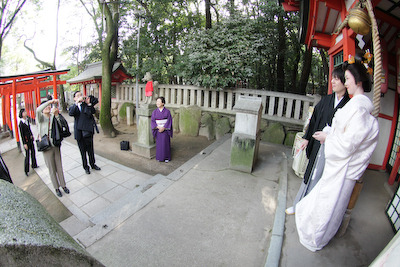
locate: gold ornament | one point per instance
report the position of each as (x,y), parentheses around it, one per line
(359,21)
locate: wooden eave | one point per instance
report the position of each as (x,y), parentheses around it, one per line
(119,76)
(93,74)
(290,5)
(92,80)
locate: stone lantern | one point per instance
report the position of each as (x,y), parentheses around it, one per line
(246,137)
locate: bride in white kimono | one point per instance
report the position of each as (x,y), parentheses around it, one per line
(349,144)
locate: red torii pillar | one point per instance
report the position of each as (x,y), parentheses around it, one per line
(29,104)
(8,112)
(37,91)
(14,94)
(55,86)
(3,111)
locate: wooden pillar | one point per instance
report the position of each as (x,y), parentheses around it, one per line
(29,102)
(14,94)
(349,43)
(3,111)
(331,66)
(55,95)
(8,112)
(37,91)
(352,202)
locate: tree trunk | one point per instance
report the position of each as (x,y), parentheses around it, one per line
(305,73)
(105,114)
(108,56)
(231,8)
(280,64)
(325,66)
(293,82)
(208,14)
(62,97)
(1,46)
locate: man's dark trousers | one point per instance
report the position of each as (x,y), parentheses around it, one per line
(85,145)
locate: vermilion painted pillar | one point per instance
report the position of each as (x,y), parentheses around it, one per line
(14,93)
(37,92)
(55,95)
(349,44)
(3,111)
(7,113)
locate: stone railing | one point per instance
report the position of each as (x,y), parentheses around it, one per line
(277,106)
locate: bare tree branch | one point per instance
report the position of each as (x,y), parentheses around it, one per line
(99,28)
(8,24)
(56,44)
(44,63)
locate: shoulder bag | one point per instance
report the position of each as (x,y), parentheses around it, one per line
(43,143)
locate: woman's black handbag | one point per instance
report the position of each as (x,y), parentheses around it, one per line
(43,144)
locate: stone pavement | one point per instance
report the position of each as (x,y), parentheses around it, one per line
(204,214)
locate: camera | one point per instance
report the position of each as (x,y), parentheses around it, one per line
(93,100)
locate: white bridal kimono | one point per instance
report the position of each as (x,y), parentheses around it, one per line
(348,149)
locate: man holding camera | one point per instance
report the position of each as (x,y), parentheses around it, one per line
(83,111)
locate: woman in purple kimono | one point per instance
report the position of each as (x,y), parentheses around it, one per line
(161,125)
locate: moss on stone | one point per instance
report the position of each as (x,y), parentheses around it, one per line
(28,234)
(290,137)
(207,126)
(222,127)
(189,120)
(122,110)
(242,154)
(274,133)
(175,122)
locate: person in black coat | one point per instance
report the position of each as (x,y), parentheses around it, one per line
(84,125)
(4,173)
(322,116)
(27,140)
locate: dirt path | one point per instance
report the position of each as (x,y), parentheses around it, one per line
(183,148)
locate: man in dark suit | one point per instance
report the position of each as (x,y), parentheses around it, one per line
(83,111)
(27,140)
(322,116)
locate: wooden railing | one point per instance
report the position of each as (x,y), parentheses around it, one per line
(277,106)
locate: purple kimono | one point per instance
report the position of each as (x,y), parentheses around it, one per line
(163,141)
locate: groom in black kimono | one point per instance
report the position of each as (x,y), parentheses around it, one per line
(84,125)
(322,116)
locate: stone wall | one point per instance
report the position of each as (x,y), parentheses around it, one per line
(114,113)
(192,121)
(215,125)
(122,115)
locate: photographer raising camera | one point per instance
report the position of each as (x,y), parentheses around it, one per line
(84,126)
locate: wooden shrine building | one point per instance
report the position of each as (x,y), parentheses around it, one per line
(92,75)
